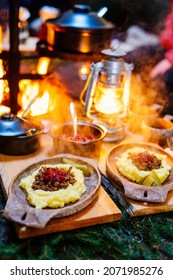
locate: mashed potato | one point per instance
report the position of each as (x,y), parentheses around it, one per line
(130,171)
(54,199)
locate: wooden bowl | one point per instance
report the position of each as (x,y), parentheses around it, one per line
(134,190)
(19,210)
(157,130)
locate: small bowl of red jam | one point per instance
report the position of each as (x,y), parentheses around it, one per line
(86,141)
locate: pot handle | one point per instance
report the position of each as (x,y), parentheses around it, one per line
(102,11)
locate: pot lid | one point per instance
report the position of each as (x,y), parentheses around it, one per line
(11,125)
(114,52)
(81,17)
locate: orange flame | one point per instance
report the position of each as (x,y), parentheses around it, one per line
(33,98)
(41,99)
(43,64)
(3,109)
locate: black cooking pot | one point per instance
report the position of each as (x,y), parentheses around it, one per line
(79,31)
(19,136)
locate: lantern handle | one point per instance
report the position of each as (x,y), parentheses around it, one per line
(93,77)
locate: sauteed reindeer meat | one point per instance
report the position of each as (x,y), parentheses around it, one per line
(143,167)
(79,137)
(54,186)
(53,179)
(145,161)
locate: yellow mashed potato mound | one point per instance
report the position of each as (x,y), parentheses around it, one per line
(131,172)
(54,199)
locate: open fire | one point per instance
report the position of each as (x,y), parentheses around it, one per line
(33,98)
(39,99)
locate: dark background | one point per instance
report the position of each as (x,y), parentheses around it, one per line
(147,14)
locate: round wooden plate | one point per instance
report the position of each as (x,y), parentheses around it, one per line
(19,210)
(134,190)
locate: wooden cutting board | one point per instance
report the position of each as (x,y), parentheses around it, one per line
(101,210)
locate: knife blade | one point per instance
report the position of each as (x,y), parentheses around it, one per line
(110,186)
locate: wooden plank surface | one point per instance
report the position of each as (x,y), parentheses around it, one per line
(101,210)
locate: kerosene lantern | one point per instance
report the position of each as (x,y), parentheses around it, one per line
(107,93)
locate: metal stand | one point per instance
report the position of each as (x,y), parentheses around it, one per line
(14,55)
(12,58)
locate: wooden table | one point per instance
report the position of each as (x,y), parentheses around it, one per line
(102,210)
